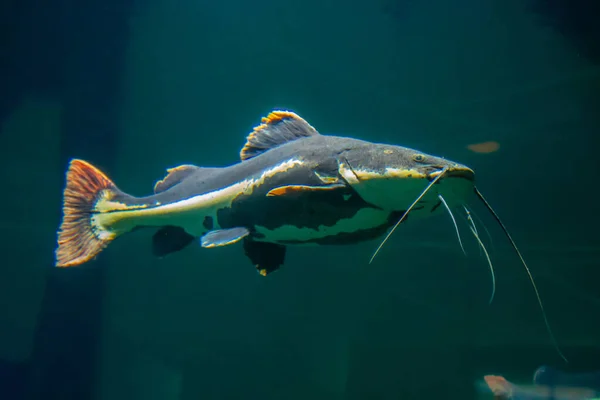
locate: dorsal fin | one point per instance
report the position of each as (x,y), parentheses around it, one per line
(277,128)
(174,176)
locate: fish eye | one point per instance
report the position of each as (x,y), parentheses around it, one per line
(419,157)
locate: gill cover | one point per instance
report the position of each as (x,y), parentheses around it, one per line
(388,188)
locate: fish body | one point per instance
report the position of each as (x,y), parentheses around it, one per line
(293,186)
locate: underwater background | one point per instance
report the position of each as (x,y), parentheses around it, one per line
(136,87)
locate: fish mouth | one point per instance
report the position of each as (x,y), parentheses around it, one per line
(456,171)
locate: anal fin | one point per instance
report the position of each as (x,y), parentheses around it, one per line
(298,189)
(267,257)
(170,239)
(223,237)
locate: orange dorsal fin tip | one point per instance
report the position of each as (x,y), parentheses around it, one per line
(276,129)
(278,115)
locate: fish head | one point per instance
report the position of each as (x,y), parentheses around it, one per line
(393,177)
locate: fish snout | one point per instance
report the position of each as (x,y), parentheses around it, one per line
(451,171)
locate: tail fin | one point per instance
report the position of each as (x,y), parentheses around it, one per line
(80,239)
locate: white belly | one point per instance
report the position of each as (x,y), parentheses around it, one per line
(365,218)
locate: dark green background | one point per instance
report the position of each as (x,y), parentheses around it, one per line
(137,87)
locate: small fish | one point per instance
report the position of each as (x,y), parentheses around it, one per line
(505,390)
(485,147)
(293,186)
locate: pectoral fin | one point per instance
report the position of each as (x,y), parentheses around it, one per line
(267,257)
(223,237)
(298,189)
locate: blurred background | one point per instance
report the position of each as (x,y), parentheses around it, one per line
(136,87)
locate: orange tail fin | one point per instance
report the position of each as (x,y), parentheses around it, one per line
(80,239)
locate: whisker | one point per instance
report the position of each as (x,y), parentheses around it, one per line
(537,293)
(487,232)
(453,221)
(470,219)
(489,263)
(437,178)
(472,222)
(473,228)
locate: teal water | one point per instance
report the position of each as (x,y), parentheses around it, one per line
(138,87)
